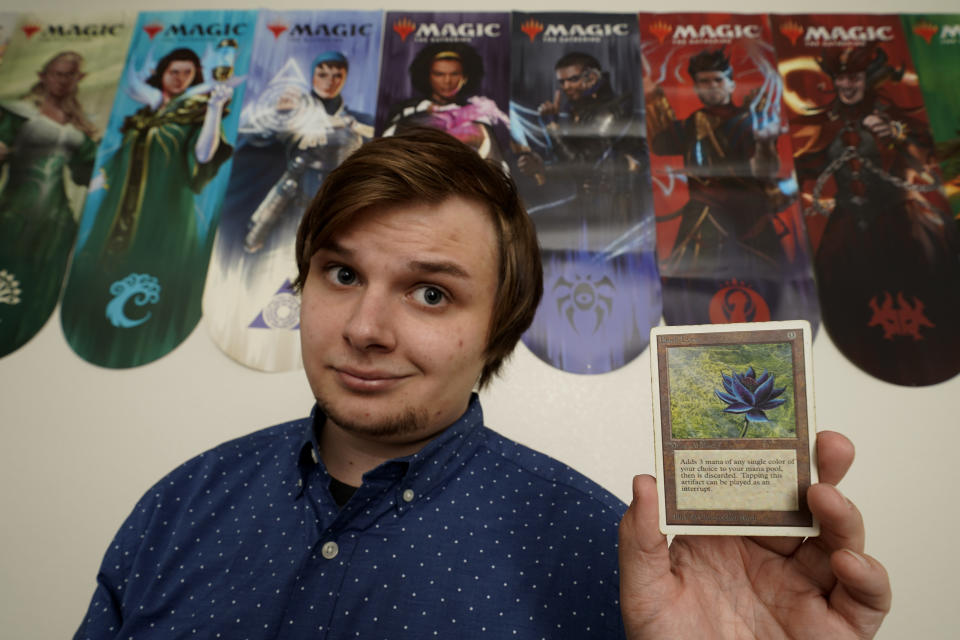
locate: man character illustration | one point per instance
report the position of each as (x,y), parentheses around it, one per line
(317,132)
(448,75)
(596,143)
(392,511)
(728,227)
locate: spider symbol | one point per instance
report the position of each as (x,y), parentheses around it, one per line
(584,295)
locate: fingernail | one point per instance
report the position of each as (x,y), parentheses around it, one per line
(636,484)
(859,557)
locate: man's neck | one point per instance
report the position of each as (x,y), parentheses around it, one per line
(348,455)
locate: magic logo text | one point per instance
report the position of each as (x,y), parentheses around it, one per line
(820,34)
(716,32)
(199,29)
(340,30)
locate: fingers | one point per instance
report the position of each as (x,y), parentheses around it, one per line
(641,543)
(841,527)
(644,556)
(863,594)
(834,456)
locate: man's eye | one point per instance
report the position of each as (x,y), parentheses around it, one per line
(430,296)
(342,275)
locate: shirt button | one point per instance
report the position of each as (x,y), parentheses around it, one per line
(408,495)
(329,550)
(313,454)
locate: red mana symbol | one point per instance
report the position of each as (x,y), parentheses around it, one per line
(738,302)
(153,29)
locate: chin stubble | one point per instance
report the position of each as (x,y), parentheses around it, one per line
(406,423)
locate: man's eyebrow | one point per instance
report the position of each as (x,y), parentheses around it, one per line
(420,266)
(336,247)
(449,268)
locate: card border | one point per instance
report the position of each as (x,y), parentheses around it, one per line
(764,523)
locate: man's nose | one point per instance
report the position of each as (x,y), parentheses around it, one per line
(370,325)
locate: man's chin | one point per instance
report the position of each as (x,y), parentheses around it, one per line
(397,426)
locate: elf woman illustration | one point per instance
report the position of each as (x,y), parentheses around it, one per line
(46,139)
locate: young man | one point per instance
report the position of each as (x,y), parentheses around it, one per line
(391,512)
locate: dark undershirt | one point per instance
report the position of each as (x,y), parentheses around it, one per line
(341,491)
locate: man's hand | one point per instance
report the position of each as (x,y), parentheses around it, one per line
(738,587)
(550,108)
(530,163)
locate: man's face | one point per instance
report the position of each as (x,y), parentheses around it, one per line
(328,80)
(851,86)
(574,81)
(446,80)
(395,318)
(178,77)
(714,88)
(61,78)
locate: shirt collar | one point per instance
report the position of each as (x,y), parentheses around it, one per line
(416,475)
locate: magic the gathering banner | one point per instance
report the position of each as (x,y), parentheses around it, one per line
(57,82)
(885,246)
(576,119)
(144,241)
(309,102)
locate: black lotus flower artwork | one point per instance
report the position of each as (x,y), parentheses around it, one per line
(750,395)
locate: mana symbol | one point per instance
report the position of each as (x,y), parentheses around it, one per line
(584,295)
(143,288)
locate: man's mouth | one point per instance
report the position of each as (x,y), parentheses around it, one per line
(367,380)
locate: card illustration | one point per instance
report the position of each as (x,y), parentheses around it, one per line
(733,407)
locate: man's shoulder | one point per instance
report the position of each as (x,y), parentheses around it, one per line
(277,446)
(551,478)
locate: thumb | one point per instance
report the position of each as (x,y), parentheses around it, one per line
(645,577)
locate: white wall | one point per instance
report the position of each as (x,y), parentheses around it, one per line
(80,444)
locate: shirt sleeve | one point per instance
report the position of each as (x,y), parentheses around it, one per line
(104,617)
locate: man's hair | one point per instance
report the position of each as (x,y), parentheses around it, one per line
(710,60)
(578,59)
(181,54)
(424,165)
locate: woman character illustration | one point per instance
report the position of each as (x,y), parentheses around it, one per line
(448,75)
(887,260)
(43,137)
(136,278)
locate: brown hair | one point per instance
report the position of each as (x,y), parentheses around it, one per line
(427,165)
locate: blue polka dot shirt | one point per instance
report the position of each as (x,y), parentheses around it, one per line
(474,536)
